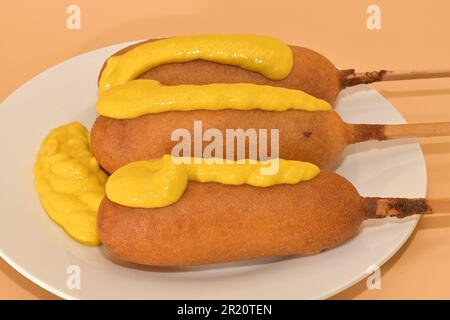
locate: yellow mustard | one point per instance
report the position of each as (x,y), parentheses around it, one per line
(70,182)
(162,182)
(266,55)
(139,97)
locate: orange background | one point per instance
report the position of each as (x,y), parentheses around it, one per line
(414,34)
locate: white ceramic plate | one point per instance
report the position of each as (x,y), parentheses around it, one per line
(42,252)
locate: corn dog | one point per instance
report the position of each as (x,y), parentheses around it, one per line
(214,223)
(316,137)
(311,72)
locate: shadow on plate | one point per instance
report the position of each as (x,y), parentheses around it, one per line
(217,266)
(369,146)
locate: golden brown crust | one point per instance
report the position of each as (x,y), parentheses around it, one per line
(317,137)
(311,72)
(215,223)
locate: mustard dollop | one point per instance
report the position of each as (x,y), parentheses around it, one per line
(266,55)
(162,182)
(70,182)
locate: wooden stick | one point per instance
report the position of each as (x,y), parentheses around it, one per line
(441,205)
(366,132)
(376,208)
(352,79)
(395,131)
